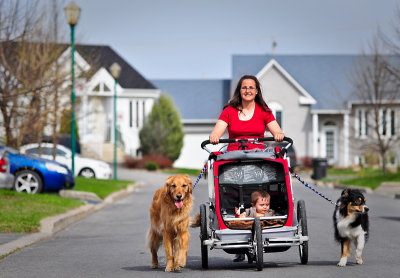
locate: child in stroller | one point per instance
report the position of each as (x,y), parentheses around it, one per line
(260,200)
(260,207)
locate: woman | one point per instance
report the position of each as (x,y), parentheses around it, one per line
(246,115)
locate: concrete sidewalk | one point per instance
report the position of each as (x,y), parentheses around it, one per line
(51,225)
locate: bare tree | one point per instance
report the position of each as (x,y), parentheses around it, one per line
(376,89)
(31,77)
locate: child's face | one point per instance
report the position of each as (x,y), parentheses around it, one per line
(262,205)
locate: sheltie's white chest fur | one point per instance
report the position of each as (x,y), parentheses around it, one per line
(345,229)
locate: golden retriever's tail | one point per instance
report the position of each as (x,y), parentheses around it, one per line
(195,221)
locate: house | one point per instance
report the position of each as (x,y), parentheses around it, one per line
(95,87)
(94,91)
(310,96)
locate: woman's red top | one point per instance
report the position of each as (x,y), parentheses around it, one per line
(253,128)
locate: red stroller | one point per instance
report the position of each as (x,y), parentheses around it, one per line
(232,177)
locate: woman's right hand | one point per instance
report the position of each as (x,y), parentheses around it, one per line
(214,139)
(217,132)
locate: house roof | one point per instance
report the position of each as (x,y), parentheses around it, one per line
(325,77)
(99,56)
(197,99)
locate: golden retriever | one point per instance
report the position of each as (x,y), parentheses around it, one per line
(169,218)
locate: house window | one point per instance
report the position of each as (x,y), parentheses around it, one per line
(361,123)
(130,114)
(106,89)
(97,88)
(143,111)
(384,122)
(137,114)
(392,123)
(101,87)
(277,110)
(388,122)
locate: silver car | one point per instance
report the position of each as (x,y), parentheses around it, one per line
(6,178)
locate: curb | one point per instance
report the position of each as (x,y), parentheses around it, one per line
(53,224)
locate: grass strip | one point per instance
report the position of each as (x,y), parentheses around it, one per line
(22,212)
(372,181)
(102,188)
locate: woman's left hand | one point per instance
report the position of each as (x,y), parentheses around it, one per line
(279,137)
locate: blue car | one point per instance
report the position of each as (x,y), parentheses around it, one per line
(35,175)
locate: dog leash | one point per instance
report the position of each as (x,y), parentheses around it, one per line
(310,187)
(201,174)
(294,175)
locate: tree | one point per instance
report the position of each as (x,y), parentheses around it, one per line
(376,89)
(30,77)
(162,133)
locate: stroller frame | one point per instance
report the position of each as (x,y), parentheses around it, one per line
(268,169)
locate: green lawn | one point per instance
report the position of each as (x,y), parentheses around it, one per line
(21,212)
(351,172)
(367,177)
(102,188)
(371,180)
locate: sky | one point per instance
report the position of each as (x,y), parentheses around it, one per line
(195,39)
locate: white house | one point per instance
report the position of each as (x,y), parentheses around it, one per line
(95,93)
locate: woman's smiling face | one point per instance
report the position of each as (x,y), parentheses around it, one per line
(248,90)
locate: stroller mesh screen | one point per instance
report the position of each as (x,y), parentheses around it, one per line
(249,173)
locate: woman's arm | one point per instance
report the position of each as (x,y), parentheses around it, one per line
(218,131)
(276,131)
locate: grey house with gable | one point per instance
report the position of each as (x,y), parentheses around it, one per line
(310,95)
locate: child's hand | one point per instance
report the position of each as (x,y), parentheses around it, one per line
(237,212)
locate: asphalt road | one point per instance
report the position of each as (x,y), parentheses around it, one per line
(111,243)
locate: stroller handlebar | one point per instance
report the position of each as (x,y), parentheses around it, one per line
(255,140)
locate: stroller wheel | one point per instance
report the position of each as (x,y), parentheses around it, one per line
(302,230)
(258,244)
(203,236)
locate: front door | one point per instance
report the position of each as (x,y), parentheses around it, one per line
(329,144)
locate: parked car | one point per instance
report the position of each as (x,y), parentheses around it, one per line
(86,167)
(35,174)
(6,178)
(62,139)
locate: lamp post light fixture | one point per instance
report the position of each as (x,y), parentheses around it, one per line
(115,70)
(72,13)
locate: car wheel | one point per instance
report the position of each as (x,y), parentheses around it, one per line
(87,173)
(28,181)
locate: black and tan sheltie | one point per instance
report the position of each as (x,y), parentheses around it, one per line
(351,223)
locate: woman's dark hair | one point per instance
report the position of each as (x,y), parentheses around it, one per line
(236,99)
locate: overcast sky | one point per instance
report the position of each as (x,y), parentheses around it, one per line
(192,39)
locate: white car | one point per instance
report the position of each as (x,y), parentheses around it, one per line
(86,167)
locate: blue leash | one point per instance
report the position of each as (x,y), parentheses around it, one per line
(310,187)
(199,177)
(294,175)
